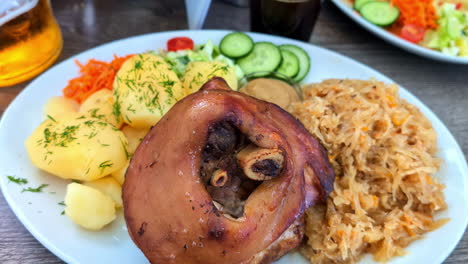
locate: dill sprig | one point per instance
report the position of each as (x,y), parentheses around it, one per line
(19,181)
(35,190)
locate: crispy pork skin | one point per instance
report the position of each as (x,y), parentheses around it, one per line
(223,178)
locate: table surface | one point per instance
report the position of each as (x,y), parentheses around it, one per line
(443,87)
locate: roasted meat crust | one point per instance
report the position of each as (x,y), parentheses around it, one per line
(169,213)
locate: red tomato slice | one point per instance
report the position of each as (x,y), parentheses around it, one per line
(412,33)
(179,43)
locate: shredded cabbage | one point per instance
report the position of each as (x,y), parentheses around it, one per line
(383,152)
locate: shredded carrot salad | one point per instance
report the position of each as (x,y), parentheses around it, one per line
(421,13)
(95,75)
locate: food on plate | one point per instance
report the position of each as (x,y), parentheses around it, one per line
(180,43)
(108,185)
(82,137)
(88,207)
(379,13)
(94,76)
(199,72)
(204,52)
(215,211)
(236,45)
(383,152)
(222,176)
(264,57)
(119,174)
(271,90)
(303,59)
(58,106)
(134,137)
(77,147)
(289,65)
(436,24)
(145,88)
(451,36)
(101,105)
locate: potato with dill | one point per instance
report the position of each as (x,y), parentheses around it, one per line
(199,72)
(101,104)
(109,186)
(58,106)
(134,137)
(77,147)
(145,88)
(89,207)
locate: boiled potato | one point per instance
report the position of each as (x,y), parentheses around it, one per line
(88,207)
(101,104)
(79,147)
(60,106)
(109,186)
(145,88)
(199,72)
(119,175)
(134,137)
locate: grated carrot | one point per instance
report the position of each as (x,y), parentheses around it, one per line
(421,12)
(95,75)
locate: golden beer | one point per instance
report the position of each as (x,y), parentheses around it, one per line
(29,43)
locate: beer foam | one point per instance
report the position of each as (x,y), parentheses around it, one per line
(10,9)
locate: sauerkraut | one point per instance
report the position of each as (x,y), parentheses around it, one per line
(383,152)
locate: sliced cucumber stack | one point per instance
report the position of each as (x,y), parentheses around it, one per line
(303,58)
(359,3)
(289,65)
(380,13)
(236,45)
(264,57)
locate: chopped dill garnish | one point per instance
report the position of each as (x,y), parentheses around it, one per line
(138,65)
(89,122)
(62,203)
(93,113)
(130,109)
(116,109)
(103,144)
(35,190)
(105,164)
(51,118)
(62,213)
(125,149)
(19,181)
(128,119)
(92,134)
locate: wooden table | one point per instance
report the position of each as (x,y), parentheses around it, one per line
(443,87)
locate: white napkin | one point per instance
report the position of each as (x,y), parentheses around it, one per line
(196,12)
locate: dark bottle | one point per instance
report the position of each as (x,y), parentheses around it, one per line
(288,18)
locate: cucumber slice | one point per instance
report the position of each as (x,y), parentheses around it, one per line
(359,3)
(289,65)
(304,60)
(264,57)
(236,45)
(380,13)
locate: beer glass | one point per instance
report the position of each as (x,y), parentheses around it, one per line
(30,39)
(288,18)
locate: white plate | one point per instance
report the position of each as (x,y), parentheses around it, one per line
(40,213)
(346,7)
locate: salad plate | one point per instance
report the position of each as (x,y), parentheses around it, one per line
(346,7)
(41,214)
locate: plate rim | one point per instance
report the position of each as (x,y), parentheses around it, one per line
(396,41)
(69,259)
